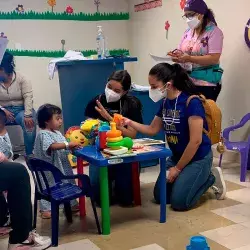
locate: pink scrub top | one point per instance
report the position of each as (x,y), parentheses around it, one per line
(210,42)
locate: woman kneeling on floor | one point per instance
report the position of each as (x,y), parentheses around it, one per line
(190,172)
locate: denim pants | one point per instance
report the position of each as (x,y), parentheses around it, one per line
(120,184)
(194,180)
(28,136)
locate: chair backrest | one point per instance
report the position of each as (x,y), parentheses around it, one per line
(242,122)
(38,168)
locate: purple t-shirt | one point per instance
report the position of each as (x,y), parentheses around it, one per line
(210,42)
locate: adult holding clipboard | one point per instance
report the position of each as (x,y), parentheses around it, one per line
(200,49)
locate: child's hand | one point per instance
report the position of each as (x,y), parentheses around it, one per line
(74,145)
(3,158)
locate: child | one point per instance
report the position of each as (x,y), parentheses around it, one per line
(51,146)
(5,144)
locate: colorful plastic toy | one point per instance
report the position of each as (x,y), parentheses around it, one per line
(115,139)
(198,243)
(102,135)
(74,134)
(117,118)
(90,128)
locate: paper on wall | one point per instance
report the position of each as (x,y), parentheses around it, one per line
(3,46)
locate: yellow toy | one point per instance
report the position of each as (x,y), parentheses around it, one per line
(90,128)
(74,134)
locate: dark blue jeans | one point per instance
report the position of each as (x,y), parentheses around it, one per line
(120,184)
(194,180)
(28,136)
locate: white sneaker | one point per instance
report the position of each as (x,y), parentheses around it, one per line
(219,186)
(34,242)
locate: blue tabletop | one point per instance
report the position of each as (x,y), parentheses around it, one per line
(98,61)
(95,157)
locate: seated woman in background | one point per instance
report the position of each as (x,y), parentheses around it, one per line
(16,100)
(116,100)
(201,48)
(190,168)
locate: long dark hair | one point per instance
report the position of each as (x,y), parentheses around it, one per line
(129,101)
(123,77)
(207,18)
(165,72)
(8,63)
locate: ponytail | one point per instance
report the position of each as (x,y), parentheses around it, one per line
(208,17)
(165,72)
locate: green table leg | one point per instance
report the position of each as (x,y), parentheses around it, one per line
(104,186)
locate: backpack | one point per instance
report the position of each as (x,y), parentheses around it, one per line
(213,118)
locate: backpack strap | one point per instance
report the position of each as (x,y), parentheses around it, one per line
(202,98)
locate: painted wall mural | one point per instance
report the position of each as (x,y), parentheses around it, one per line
(148,4)
(69,14)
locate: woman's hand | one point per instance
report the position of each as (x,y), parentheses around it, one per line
(103,112)
(29,123)
(9,115)
(184,58)
(175,53)
(124,122)
(173,174)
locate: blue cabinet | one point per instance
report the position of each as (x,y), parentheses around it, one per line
(80,81)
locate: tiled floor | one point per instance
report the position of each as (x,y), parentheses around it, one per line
(226,224)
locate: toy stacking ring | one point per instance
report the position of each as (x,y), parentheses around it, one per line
(115,144)
(116,139)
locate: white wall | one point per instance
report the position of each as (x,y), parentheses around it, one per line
(147,35)
(47,35)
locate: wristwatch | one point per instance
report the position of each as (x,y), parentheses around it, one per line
(66,145)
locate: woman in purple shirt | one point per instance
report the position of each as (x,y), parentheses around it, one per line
(200,49)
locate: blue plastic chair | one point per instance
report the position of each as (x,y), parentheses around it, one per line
(60,193)
(241,146)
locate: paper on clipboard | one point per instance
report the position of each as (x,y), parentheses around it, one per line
(161,59)
(3,45)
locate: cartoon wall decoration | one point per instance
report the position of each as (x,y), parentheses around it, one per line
(247,33)
(148,4)
(69,10)
(69,14)
(167,26)
(61,53)
(19,9)
(97,4)
(182,4)
(52,4)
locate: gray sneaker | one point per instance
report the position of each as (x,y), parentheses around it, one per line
(219,186)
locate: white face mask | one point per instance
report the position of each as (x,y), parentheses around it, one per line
(193,23)
(111,96)
(157,94)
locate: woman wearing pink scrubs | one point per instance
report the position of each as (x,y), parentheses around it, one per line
(200,48)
